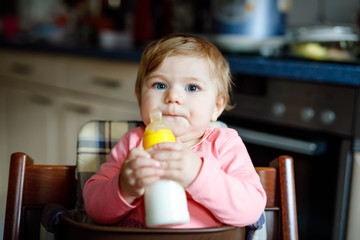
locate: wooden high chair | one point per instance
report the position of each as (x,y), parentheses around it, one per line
(32,187)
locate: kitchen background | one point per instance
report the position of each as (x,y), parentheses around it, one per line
(119,23)
(60,67)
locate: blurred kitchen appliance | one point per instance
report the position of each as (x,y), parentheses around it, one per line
(152,20)
(249,25)
(325,43)
(314,123)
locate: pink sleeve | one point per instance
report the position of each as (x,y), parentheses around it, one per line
(102,199)
(228,185)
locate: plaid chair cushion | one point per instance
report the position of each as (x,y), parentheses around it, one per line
(95,141)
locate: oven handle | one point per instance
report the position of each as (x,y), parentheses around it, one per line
(280,142)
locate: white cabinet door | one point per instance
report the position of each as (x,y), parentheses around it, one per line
(103,78)
(4,159)
(32,125)
(39,68)
(75,113)
(3,127)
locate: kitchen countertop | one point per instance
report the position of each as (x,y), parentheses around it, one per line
(313,71)
(289,68)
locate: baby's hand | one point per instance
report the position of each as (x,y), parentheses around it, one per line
(137,172)
(180,163)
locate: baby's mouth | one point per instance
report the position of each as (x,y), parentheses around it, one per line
(171,116)
(173,113)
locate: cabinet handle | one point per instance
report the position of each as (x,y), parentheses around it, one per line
(21,68)
(314,147)
(106,82)
(77,108)
(41,100)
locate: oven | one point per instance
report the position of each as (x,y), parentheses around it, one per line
(312,122)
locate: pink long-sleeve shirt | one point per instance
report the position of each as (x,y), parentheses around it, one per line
(227,189)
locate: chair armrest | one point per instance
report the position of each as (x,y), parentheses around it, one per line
(257,230)
(49,217)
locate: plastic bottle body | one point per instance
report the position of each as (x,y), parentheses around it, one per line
(165,204)
(165,200)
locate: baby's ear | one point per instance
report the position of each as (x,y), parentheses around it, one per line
(219,107)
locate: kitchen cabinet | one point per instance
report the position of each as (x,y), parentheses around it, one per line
(4,170)
(45,99)
(104,78)
(33,67)
(31,122)
(74,113)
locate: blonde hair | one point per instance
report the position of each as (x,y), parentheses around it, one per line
(185,45)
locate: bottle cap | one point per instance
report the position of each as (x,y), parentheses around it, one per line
(157,131)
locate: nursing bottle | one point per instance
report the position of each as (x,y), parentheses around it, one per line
(165,200)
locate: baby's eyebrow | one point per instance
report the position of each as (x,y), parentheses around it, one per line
(193,79)
(150,77)
(156,76)
(196,80)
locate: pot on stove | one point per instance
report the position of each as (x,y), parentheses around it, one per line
(325,43)
(249,25)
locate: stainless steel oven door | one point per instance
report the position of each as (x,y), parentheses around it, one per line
(322,169)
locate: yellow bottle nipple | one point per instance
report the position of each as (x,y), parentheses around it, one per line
(157,131)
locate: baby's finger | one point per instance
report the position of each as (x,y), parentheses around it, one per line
(143,162)
(174,146)
(178,176)
(148,172)
(172,174)
(138,152)
(170,164)
(166,155)
(144,182)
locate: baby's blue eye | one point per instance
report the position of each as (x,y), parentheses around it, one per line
(192,88)
(160,86)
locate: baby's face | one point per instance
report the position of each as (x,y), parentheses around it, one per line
(184,90)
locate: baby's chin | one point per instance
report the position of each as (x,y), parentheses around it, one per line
(189,142)
(183,130)
(177,124)
(175,120)
(187,136)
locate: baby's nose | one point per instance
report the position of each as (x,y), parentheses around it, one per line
(174,96)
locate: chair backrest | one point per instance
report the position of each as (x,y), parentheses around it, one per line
(31,186)
(95,141)
(279,184)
